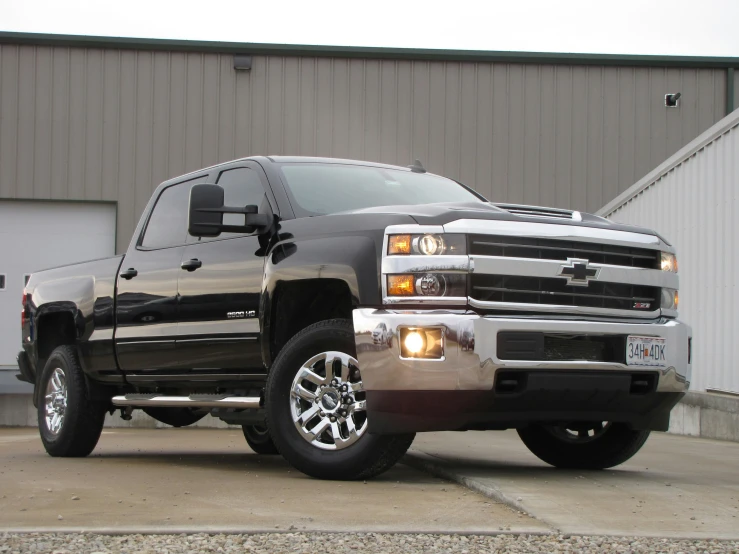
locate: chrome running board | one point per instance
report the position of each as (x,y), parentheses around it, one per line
(192,401)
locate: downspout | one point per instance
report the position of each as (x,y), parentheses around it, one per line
(729,90)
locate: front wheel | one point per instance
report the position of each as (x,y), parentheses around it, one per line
(582,445)
(316,408)
(70,420)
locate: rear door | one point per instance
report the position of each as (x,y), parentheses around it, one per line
(146,302)
(220,284)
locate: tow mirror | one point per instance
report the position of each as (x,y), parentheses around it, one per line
(205,218)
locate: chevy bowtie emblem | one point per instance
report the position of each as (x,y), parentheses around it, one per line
(578,272)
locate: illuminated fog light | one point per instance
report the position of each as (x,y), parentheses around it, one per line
(414,342)
(422,342)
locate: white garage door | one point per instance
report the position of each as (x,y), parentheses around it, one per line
(40,235)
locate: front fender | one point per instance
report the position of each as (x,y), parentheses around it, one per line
(350,259)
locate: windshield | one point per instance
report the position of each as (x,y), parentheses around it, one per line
(320,189)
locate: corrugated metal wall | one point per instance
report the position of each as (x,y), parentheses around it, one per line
(693,199)
(90,124)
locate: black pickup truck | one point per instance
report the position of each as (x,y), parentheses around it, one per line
(334,308)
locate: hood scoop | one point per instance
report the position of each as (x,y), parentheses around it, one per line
(538,211)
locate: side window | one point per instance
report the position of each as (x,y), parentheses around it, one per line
(167,225)
(241,187)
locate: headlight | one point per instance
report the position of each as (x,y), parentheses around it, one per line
(430,244)
(427,284)
(670,299)
(427,244)
(669,262)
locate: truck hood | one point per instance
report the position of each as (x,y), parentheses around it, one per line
(443,213)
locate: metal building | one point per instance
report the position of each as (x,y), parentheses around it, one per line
(693,198)
(101,121)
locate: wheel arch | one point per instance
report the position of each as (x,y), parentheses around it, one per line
(297,304)
(59,324)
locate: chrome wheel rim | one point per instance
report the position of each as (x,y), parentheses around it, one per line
(56,401)
(580,432)
(327,401)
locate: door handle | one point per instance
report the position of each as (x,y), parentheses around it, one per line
(129,273)
(191,265)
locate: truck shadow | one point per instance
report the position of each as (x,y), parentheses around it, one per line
(244,463)
(473,467)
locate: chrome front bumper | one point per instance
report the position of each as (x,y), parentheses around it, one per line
(470,359)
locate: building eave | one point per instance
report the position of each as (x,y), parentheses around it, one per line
(366,52)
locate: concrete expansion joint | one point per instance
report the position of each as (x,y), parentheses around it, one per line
(436,467)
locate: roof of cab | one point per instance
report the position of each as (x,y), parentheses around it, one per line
(280,160)
(339,161)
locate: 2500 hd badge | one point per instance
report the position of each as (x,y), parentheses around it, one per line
(372,302)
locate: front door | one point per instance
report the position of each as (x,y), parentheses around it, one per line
(220,285)
(146,302)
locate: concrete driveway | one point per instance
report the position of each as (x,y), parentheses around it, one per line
(674,487)
(176,480)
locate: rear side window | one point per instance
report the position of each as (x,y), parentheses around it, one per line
(167,224)
(241,187)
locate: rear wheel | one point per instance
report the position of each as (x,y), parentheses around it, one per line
(259,439)
(176,417)
(583,445)
(70,420)
(316,408)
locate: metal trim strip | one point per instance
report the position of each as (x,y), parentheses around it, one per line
(422,264)
(553,231)
(559,309)
(532,267)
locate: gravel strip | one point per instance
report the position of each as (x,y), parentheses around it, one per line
(337,543)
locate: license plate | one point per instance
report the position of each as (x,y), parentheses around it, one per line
(646,351)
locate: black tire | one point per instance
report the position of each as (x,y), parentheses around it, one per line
(83,416)
(176,417)
(369,456)
(616,444)
(259,440)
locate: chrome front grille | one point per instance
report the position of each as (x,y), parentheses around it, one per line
(552,249)
(542,268)
(517,289)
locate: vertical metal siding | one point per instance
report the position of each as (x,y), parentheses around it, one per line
(110,124)
(693,200)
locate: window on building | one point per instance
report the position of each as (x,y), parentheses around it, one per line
(2,282)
